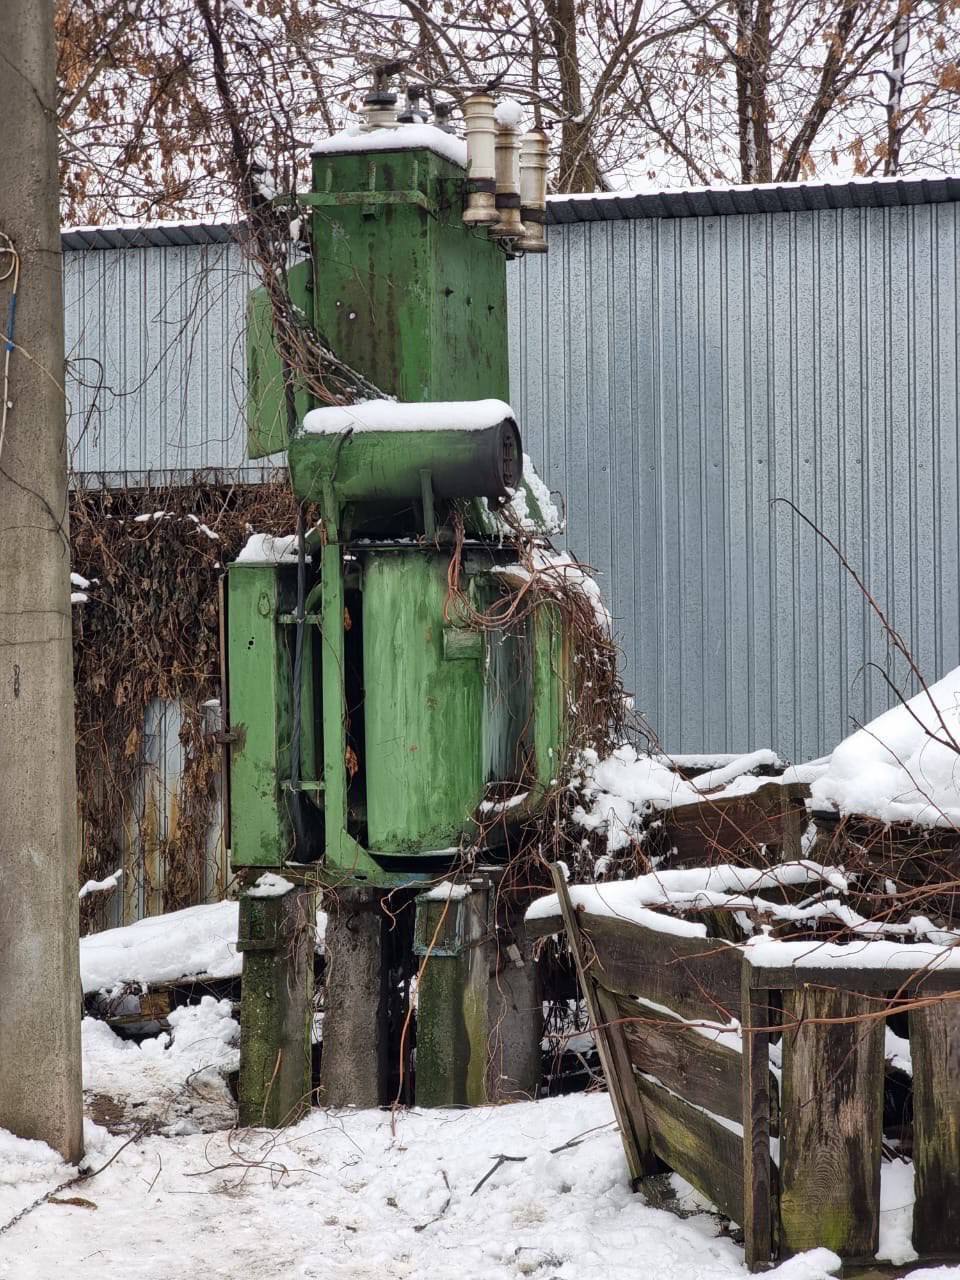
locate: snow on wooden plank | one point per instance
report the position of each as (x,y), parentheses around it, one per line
(699,978)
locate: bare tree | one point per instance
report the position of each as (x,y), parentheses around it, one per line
(679,91)
(779,90)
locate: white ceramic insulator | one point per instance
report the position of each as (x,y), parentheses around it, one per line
(533,170)
(533,191)
(379,117)
(481,159)
(508,182)
(481,136)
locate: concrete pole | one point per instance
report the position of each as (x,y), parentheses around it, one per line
(40,1086)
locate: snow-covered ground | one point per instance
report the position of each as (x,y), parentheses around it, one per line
(534,1189)
(353,1194)
(363,1194)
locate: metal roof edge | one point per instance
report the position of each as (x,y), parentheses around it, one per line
(602,206)
(157,235)
(786,197)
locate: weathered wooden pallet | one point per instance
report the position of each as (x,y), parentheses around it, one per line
(709,1111)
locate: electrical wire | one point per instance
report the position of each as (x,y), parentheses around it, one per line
(8,269)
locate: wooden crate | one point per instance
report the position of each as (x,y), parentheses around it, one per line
(795,1162)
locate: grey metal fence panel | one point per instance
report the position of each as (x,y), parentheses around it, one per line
(675,378)
(154,341)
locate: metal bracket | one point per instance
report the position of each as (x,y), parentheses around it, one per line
(374,200)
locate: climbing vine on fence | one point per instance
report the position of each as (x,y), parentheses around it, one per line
(148,632)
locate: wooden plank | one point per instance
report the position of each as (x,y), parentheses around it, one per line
(701,1070)
(907,980)
(935,1050)
(698,1147)
(831,1124)
(757,1089)
(733,828)
(696,977)
(544,926)
(616,1044)
(630,1115)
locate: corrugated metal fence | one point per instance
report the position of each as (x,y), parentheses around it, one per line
(155,340)
(675,377)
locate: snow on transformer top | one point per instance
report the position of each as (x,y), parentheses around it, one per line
(392,415)
(902,767)
(399,137)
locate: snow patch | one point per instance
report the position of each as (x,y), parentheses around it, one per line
(159,949)
(691,887)
(101,886)
(447,891)
(548,521)
(509,114)
(270,886)
(904,766)
(899,957)
(401,137)
(392,415)
(627,786)
(264,548)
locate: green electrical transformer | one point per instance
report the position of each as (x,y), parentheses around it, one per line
(376,711)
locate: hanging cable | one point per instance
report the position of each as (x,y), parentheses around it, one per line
(9,266)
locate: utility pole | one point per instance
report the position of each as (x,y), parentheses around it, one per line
(40,1083)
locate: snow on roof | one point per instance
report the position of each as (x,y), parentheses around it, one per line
(904,766)
(391,415)
(401,137)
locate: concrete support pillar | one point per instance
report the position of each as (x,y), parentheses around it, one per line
(277,936)
(40,998)
(354,1066)
(479,1013)
(515,1014)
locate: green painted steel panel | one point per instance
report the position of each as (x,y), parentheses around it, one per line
(378,466)
(406,294)
(422,710)
(259,718)
(266,398)
(259,655)
(552,689)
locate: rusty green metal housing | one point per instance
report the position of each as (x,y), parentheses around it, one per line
(397,285)
(416,730)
